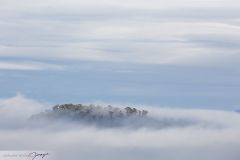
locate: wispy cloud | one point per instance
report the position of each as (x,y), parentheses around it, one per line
(31,66)
(155,32)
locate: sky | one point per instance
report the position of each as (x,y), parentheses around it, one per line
(178,59)
(175,53)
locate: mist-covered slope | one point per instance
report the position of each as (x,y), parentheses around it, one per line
(94,115)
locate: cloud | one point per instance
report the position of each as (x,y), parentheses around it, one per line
(15,111)
(153,32)
(199,141)
(34,66)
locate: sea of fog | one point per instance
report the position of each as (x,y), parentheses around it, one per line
(179,134)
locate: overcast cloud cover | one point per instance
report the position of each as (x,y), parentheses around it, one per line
(179,59)
(155,32)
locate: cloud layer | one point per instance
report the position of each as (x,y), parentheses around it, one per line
(152,32)
(214,137)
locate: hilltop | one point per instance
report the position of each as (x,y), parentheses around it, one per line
(94,114)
